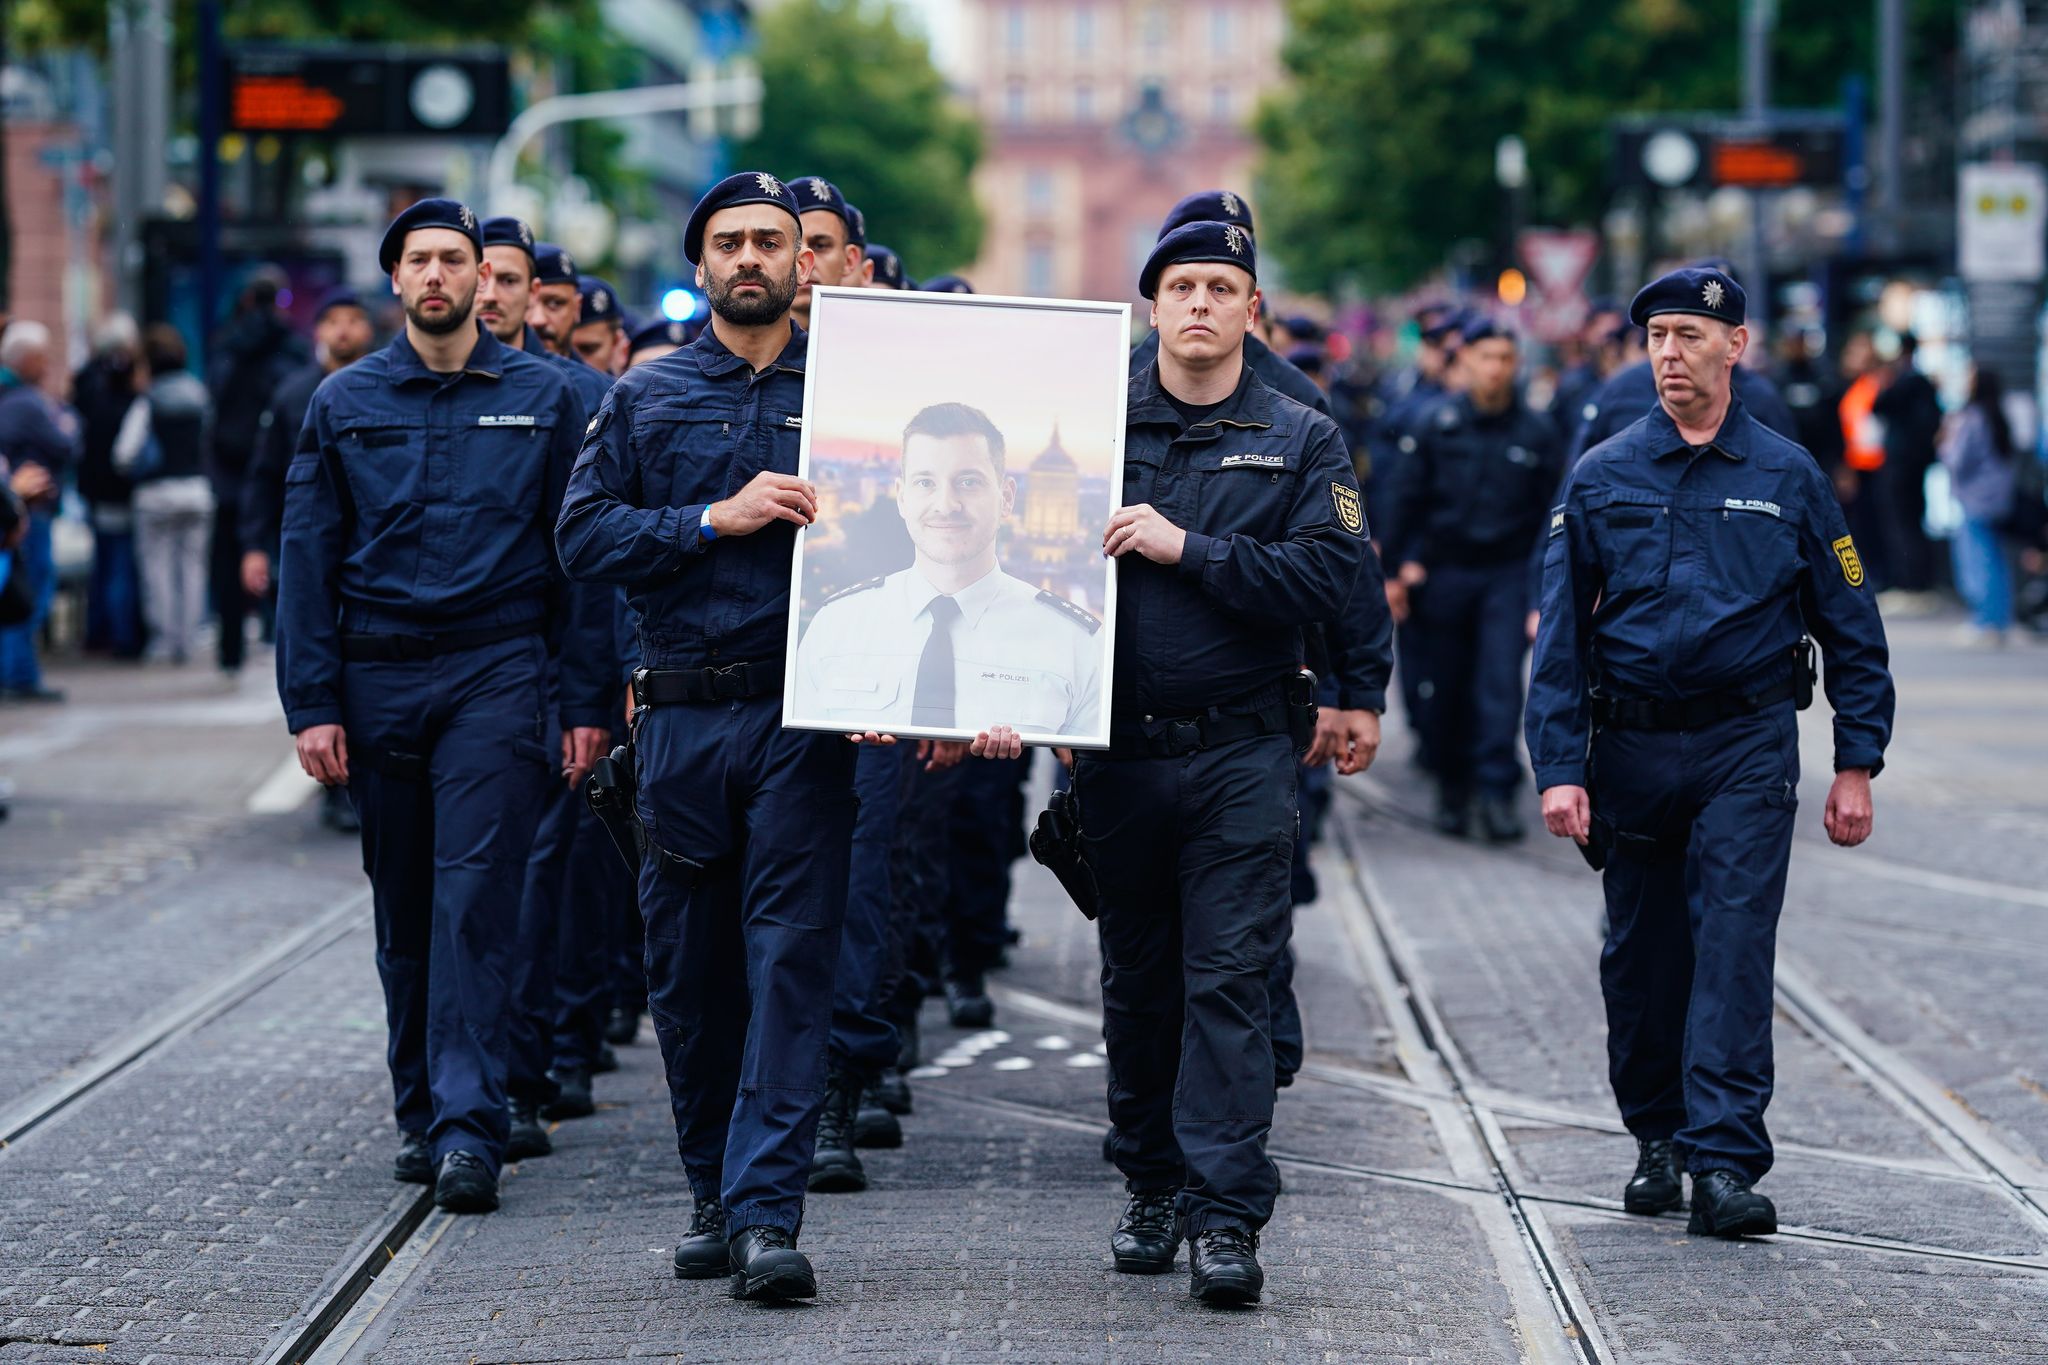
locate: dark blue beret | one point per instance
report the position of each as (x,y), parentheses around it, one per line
(888,267)
(816,194)
(340,296)
(551,265)
(1479,327)
(1302,328)
(748,187)
(452,214)
(1208,241)
(1704,292)
(947,284)
(1451,320)
(660,332)
(508,232)
(1208,206)
(600,300)
(1307,359)
(856,227)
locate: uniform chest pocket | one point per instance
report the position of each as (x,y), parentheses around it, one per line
(859,687)
(1634,544)
(686,452)
(1749,553)
(1241,485)
(500,464)
(386,466)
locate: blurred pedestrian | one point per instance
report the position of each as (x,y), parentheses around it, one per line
(36,433)
(254,354)
(1909,410)
(1976,449)
(161,447)
(102,391)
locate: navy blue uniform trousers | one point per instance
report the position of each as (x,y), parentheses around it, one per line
(598,912)
(1473,624)
(863,1035)
(1702,821)
(742,953)
(448,771)
(1192,858)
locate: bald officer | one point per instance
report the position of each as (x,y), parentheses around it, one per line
(952,642)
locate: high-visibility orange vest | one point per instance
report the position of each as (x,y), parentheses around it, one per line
(1862,445)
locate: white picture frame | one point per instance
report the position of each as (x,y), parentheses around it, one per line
(967,447)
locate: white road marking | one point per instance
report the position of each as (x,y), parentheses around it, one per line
(284,790)
(1052,1042)
(1015,1064)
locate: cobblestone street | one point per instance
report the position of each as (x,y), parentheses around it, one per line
(197,1139)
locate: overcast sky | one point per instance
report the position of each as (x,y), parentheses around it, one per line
(941,20)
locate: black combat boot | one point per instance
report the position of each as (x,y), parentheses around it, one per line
(874,1123)
(967,1002)
(465,1184)
(1655,1187)
(528,1137)
(767,1265)
(1723,1205)
(414,1164)
(573,1099)
(607,1060)
(835,1165)
(1499,818)
(1223,1267)
(1147,1237)
(1453,813)
(703,1254)
(623,1028)
(892,1090)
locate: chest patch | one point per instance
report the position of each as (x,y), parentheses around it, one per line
(1852,565)
(1350,511)
(505,420)
(796,422)
(1253,462)
(1756,505)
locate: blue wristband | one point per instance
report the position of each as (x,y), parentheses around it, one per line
(705,529)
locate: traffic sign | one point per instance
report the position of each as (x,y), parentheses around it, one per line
(2002,216)
(1559,260)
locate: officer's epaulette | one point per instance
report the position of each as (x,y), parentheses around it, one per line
(1080,616)
(858,587)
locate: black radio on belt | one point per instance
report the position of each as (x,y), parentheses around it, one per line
(1301,709)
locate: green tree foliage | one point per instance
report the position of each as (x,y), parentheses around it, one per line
(853,97)
(1379,153)
(40,24)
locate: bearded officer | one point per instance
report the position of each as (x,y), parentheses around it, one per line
(686,493)
(418,595)
(1241,524)
(1691,554)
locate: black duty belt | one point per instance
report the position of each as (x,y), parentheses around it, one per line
(1175,736)
(386,649)
(1689,713)
(734,682)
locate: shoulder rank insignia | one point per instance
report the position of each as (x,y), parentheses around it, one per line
(1350,511)
(1557,520)
(1852,566)
(1080,616)
(858,587)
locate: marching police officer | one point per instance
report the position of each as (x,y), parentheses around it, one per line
(418,595)
(1691,554)
(600,335)
(1241,523)
(686,493)
(832,230)
(885,269)
(557,304)
(656,338)
(1466,508)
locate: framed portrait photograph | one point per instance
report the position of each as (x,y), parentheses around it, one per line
(967,452)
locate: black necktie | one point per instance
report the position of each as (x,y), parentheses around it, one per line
(933,703)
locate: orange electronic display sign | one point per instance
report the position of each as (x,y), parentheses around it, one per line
(1757,165)
(357,90)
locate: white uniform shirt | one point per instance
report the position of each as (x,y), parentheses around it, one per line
(1021,658)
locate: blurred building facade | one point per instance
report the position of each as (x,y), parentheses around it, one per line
(1098,115)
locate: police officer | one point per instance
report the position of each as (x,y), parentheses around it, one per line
(557,304)
(1689,555)
(946,284)
(1633,392)
(686,493)
(1224,206)
(830,231)
(656,338)
(555,919)
(341,336)
(1467,507)
(600,335)
(885,269)
(418,594)
(1188,821)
